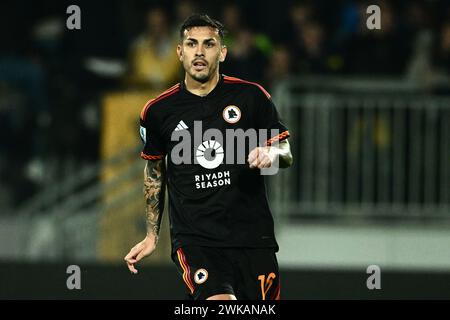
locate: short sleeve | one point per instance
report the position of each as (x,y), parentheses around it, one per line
(149,131)
(268,118)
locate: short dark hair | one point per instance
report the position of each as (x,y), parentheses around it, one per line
(202,20)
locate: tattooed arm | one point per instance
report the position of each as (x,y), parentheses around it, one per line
(154,190)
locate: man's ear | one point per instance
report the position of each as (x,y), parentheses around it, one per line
(223,53)
(180,52)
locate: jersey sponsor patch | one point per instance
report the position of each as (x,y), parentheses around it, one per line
(231,114)
(200,276)
(210,154)
(212,180)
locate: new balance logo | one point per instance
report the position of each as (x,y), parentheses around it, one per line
(181,126)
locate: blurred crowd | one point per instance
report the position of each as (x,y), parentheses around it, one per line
(52,79)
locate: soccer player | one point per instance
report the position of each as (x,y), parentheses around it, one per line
(222,230)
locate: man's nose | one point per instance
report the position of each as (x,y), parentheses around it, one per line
(200,51)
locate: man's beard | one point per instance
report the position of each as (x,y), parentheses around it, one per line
(203,78)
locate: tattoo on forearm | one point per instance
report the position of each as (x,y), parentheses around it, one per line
(154,189)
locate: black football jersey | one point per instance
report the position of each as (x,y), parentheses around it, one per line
(215,199)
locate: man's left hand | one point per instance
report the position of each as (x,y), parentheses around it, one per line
(261,157)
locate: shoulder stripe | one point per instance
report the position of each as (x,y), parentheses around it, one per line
(144,110)
(228,79)
(163,95)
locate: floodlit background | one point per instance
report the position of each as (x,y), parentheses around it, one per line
(368,111)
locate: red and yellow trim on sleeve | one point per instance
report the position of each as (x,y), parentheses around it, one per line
(228,79)
(163,95)
(147,157)
(282,136)
(186,270)
(144,109)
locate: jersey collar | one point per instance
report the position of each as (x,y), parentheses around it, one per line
(211,94)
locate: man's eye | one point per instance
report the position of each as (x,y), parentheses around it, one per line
(210,45)
(190,44)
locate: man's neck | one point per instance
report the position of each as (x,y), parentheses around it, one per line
(201,89)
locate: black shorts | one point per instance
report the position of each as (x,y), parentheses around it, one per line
(247,273)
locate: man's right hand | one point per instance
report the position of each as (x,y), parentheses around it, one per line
(139,251)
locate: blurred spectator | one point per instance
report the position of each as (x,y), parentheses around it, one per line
(309,41)
(183,9)
(247,55)
(244,60)
(441,59)
(24,104)
(232,19)
(301,13)
(153,62)
(26,77)
(280,66)
(419,33)
(430,62)
(23,124)
(310,49)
